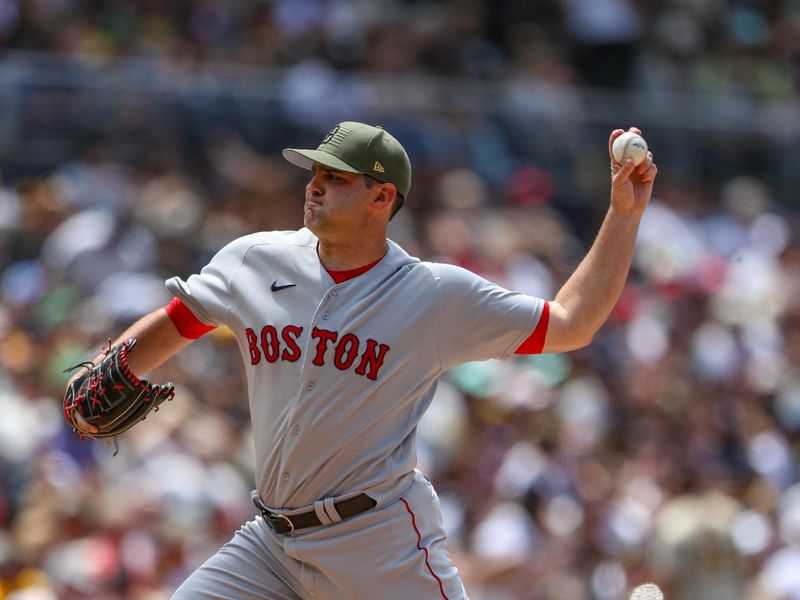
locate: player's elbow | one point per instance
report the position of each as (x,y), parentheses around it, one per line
(583,341)
(580,340)
(567,332)
(567,343)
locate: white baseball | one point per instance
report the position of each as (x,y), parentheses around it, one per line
(648,591)
(629,145)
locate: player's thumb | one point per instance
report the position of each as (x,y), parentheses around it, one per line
(620,173)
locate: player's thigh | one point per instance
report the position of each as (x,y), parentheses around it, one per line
(399,550)
(249,567)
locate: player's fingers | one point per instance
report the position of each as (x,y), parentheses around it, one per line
(650,174)
(635,130)
(614,135)
(623,172)
(645,164)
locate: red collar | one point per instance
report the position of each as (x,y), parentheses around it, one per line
(340,276)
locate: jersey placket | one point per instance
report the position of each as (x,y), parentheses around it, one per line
(305,388)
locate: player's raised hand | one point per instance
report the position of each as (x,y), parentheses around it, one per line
(631,185)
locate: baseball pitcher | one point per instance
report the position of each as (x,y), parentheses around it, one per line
(343,337)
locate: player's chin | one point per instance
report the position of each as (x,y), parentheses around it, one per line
(312,220)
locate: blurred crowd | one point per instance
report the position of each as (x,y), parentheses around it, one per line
(685,45)
(666,451)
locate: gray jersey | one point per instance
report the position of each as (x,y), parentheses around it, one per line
(340,374)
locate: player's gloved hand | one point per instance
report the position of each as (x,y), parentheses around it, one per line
(107,399)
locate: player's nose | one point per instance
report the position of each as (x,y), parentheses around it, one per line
(314,186)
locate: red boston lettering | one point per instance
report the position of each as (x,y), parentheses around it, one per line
(290,334)
(323,336)
(284,344)
(346,351)
(252,344)
(270,343)
(372,359)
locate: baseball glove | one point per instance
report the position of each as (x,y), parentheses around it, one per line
(109,396)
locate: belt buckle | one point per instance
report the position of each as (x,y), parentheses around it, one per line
(277,517)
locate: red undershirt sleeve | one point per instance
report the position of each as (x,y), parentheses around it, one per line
(535,341)
(184,320)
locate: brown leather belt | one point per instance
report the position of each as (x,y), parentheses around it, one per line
(285,524)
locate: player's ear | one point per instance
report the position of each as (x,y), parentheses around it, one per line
(385,196)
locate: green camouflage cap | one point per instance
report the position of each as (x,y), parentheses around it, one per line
(359,148)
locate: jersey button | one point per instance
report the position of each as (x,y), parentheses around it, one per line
(332,294)
(295,429)
(285,476)
(326,315)
(310,386)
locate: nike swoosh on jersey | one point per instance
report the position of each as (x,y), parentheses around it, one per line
(277,288)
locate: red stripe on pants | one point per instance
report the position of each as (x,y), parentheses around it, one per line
(425,550)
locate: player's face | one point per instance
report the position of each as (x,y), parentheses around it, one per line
(337,202)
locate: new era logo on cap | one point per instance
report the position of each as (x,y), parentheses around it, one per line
(359,148)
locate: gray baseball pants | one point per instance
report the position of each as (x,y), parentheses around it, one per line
(394,552)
